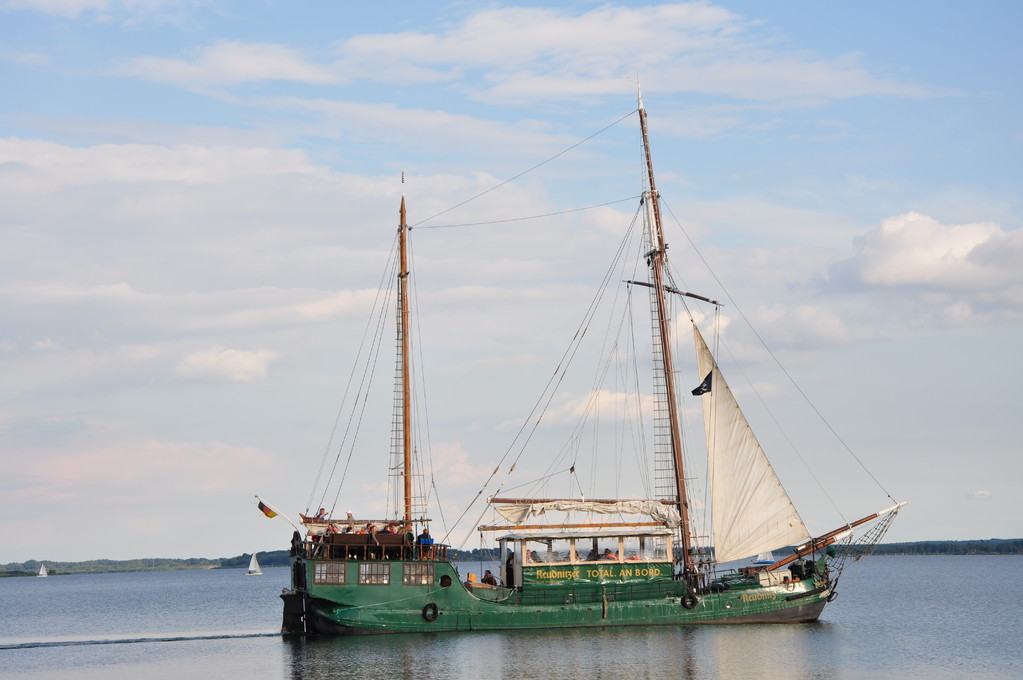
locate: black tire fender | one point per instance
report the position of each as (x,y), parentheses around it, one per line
(430,612)
(689,601)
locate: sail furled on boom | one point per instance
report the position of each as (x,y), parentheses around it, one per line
(752,513)
(517,513)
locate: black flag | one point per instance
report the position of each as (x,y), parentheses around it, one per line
(704,387)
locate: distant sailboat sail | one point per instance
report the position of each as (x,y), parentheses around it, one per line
(254,569)
(42,571)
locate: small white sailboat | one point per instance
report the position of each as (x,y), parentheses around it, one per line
(42,571)
(764,558)
(254,569)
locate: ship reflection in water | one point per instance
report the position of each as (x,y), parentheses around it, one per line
(692,652)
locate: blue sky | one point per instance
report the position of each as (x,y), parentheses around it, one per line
(198,197)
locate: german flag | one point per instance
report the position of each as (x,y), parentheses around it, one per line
(266,509)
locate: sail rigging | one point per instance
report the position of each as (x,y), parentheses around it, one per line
(752,513)
(610,561)
(666,378)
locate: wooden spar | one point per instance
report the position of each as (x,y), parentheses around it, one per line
(825,540)
(406,390)
(657,256)
(676,291)
(587,525)
(584,500)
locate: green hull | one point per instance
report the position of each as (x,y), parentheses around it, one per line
(393,607)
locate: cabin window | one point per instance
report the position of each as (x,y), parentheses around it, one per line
(417,574)
(637,548)
(548,551)
(374,574)
(329,573)
(659,545)
(602,549)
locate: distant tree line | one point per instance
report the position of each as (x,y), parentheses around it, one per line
(476,554)
(991,546)
(280,558)
(272,558)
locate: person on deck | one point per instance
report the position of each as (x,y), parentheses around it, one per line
(488,578)
(322,514)
(608,555)
(425,543)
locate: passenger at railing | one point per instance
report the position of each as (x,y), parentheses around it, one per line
(534,558)
(593,556)
(633,557)
(322,514)
(388,529)
(425,543)
(608,555)
(489,579)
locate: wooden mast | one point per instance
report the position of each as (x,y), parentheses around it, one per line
(656,257)
(406,390)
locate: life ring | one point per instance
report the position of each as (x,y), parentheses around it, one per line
(430,612)
(689,601)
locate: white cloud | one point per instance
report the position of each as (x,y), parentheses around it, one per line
(101,10)
(207,466)
(978,496)
(219,364)
(970,271)
(44,167)
(65,8)
(552,54)
(602,405)
(914,249)
(233,63)
(44,345)
(801,325)
(453,464)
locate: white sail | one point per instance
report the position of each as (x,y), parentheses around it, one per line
(42,571)
(254,569)
(752,513)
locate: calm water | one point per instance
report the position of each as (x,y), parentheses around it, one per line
(895,617)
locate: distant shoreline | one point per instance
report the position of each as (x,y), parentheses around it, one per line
(280,558)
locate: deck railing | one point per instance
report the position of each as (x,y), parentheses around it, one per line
(371,547)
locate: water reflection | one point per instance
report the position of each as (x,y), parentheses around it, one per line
(771,651)
(691,653)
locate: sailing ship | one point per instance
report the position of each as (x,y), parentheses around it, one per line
(631,561)
(42,571)
(254,569)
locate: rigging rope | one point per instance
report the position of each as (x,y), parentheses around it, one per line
(381,289)
(527,171)
(775,358)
